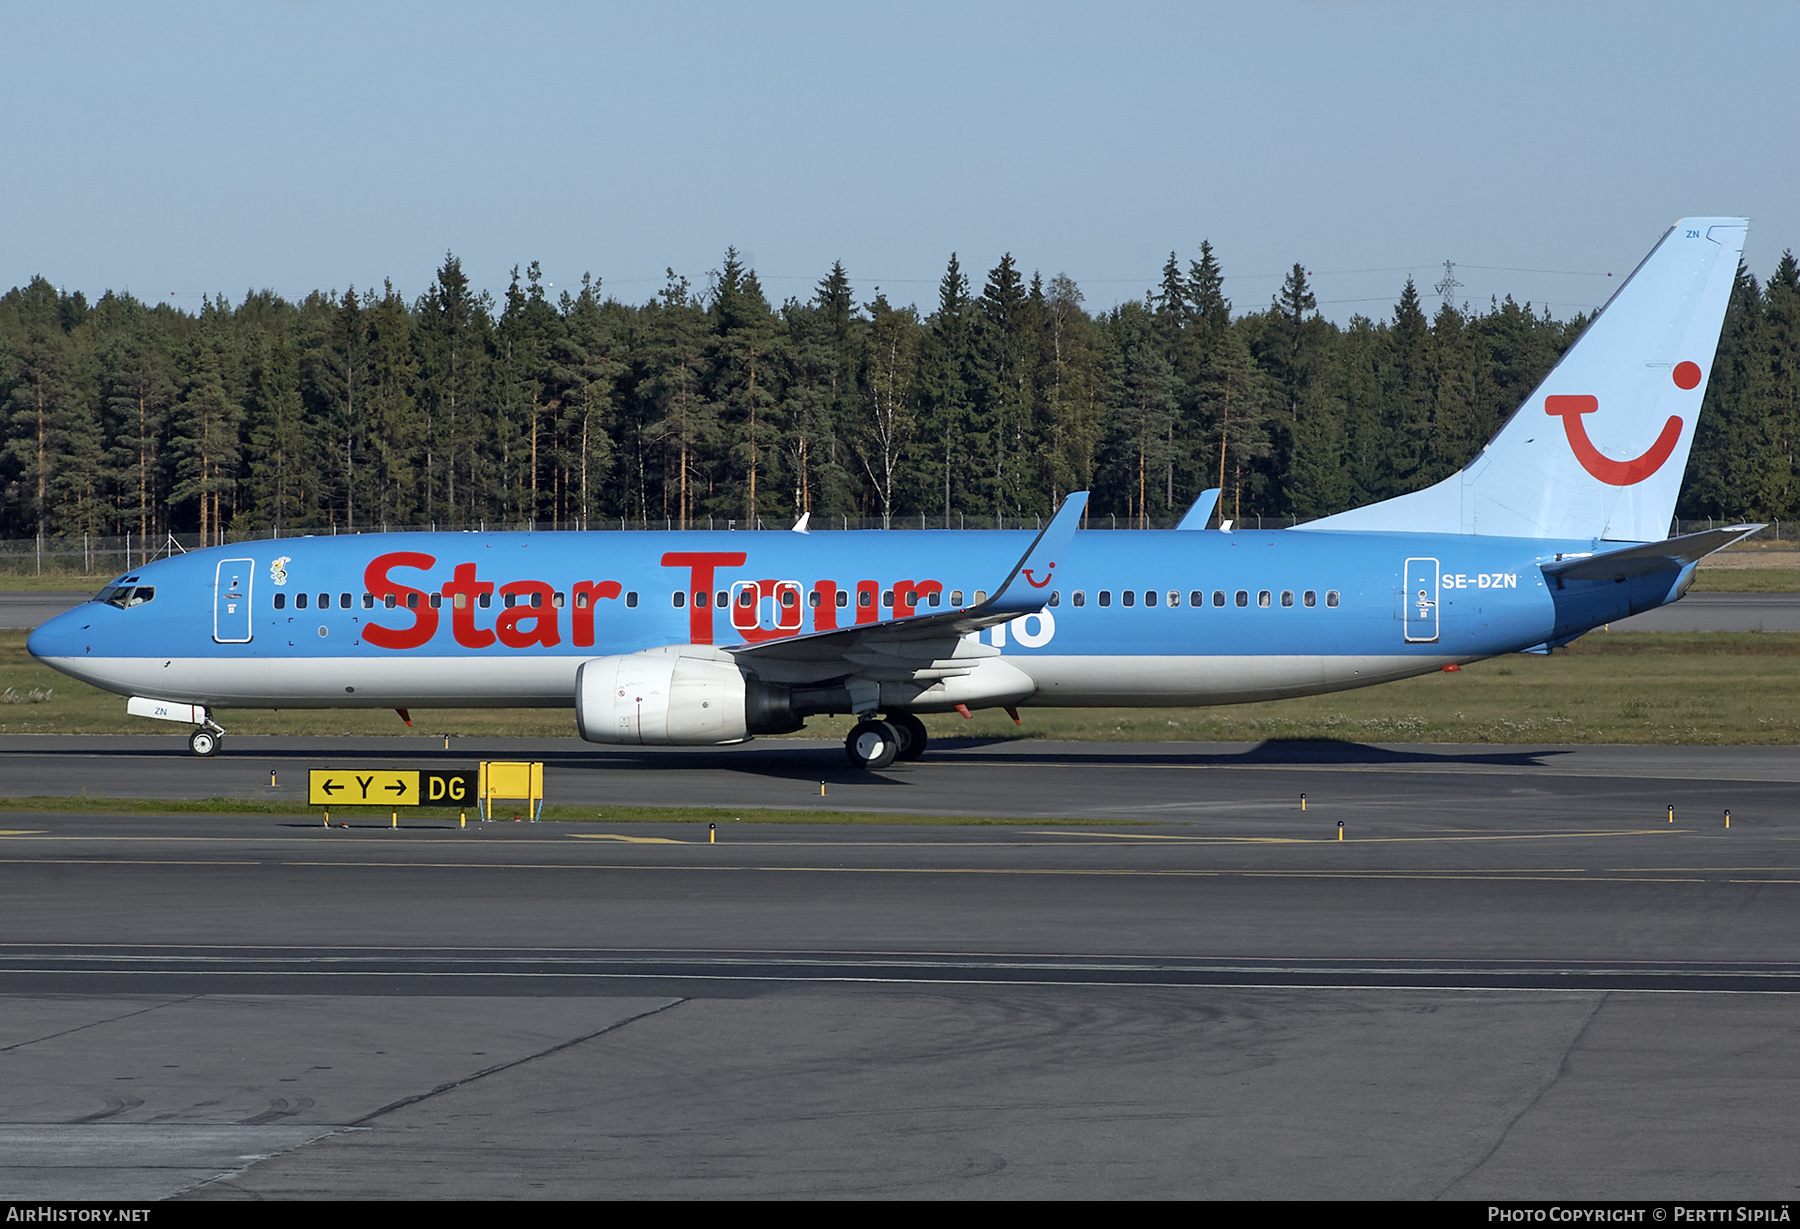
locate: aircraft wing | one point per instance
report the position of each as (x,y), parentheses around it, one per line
(921,647)
(1669,555)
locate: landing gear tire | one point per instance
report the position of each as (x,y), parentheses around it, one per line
(203,743)
(913,737)
(872,745)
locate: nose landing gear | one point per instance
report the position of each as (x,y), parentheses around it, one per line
(203,742)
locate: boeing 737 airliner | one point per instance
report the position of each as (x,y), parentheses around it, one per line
(1559,525)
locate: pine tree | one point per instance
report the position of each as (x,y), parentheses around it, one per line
(37,381)
(282,469)
(946,395)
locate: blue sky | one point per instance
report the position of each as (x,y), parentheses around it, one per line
(186,149)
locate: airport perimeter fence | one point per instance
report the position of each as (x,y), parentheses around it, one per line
(95,558)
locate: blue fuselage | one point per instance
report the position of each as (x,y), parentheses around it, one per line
(1147,617)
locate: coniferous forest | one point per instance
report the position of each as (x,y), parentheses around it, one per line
(362,409)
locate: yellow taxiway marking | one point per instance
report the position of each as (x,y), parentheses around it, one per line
(21,832)
(630,840)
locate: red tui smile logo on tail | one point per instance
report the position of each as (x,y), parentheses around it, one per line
(1570,408)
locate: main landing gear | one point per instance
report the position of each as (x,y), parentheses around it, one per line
(876,744)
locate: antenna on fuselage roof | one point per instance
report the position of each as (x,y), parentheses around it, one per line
(169,547)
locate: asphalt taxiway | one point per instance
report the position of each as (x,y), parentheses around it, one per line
(1514,977)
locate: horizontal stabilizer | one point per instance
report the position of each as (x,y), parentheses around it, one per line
(1670,555)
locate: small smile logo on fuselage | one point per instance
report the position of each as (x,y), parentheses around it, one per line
(1039,584)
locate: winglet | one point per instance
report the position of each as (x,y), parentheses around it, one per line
(1202,510)
(1027,587)
(800,525)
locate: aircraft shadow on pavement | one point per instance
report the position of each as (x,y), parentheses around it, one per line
(780,760)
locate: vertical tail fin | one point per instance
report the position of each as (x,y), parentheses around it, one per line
(1599,448)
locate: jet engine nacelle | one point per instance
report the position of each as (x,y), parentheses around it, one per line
(674,696)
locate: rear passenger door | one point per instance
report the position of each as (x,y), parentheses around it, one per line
(1419,602)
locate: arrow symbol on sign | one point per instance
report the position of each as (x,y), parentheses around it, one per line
(398,787)
(330,787)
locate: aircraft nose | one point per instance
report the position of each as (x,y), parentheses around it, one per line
(60,636)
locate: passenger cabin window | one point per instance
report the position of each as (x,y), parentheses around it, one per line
(1310,598)
(556,599)
(1055,598)
(721,599)
(1262,599)
(677,599)
(789,599)
(934,595)
(1127,598)
(1331,597)
(1243,597)
(1218,597)
(630,598)
(1106,597)
(324,601)
(1149,597)
(887,597)
(980,596)
(412,601)
(537,600)
(461,601)
(437,601)
(368,601)
(955,597)
(581,600)
(343,601)
(485,600)
(300,600)
(387,599)
(1174,598)
(281,601)
(865,598)
(843,599)
(1287,597)
(1197,598)
(1079,597)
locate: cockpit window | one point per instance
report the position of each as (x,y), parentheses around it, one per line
(126,596)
